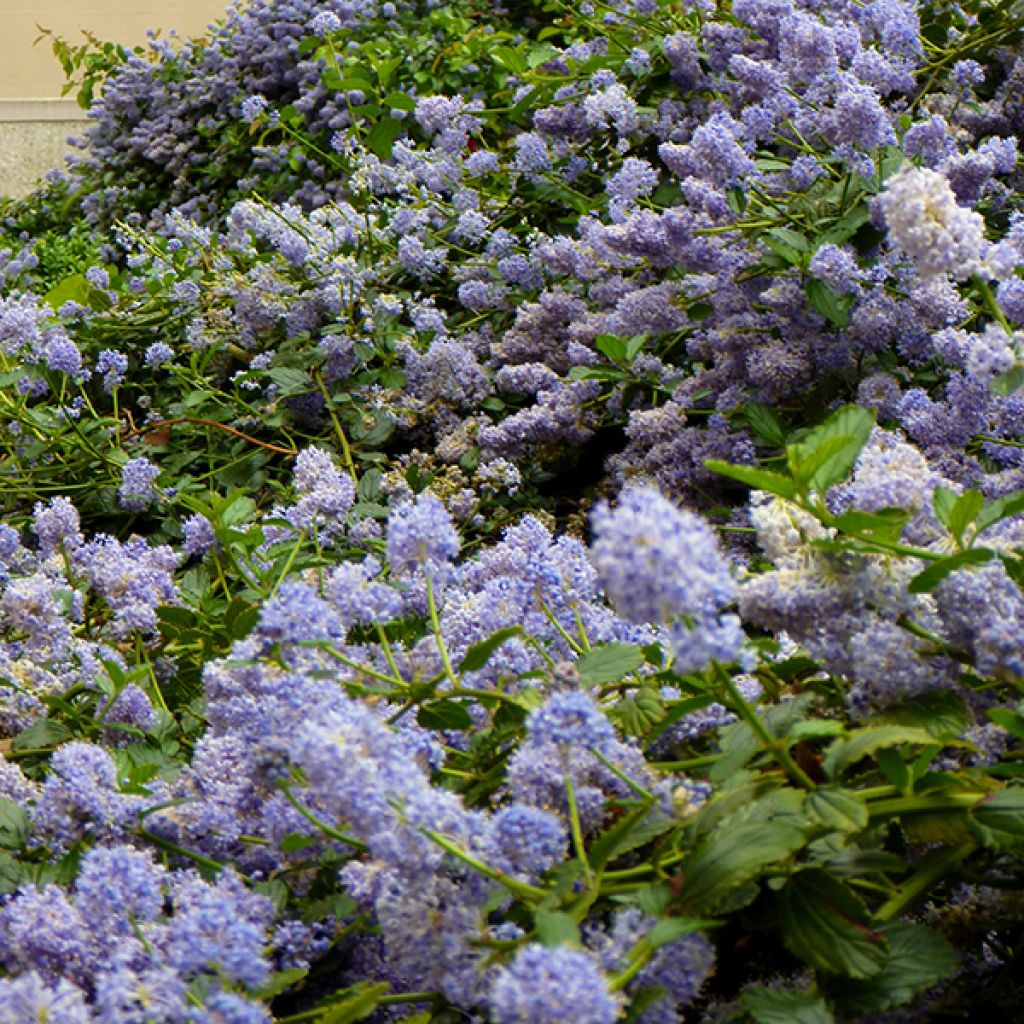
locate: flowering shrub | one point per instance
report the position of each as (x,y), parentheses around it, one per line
(516,513)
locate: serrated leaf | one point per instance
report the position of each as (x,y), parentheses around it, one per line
(727,858)
(942,713)
(838,808)
(916,959)
(630,832)
(861,742)
(785,1006)
(1002,814)
(851,423)
(608,663)
(290,381)
(638,713)
(556,929)
(928,579)
(764,423)
(758,479)
(479,654)
(827,926)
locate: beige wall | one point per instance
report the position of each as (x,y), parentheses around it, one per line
(33,71)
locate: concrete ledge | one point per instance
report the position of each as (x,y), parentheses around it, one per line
(40,110)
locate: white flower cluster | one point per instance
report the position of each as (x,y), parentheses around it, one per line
(926,222)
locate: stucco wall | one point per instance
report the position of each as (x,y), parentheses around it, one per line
(34,122)
(33,71)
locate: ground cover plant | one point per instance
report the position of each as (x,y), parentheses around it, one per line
(516,514)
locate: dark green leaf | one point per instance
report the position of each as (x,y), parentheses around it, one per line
(764,423)
(1002,814)
(863,742)
(444,714)
(827,926)
(279,982)
(44,733)
(479,654)
(785,1006)
(608,663)
(727,858)
(838,808)
(630,832)
(382,136)
(942,713)
(833,307)
(671,928)
(365,998)
(928,579)
(15,824)
(916,959)
(399,101)
(611,346)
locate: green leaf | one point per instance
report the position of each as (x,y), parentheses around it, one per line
(556,929)
(1011,721)
(630,832)
(1002,814)
(942,713)
(541,54)
(608,663)
(671,928)
(290,381)
(916,959)
(851,423)
(999,509)
(677,710)
(445,714)
(399,101)
(929,578)
(785,1006)
(1008,383)
(863,742)
(640,712)
(479,654)
(382,135)
(833,307)
(295,841)
(885,524)
(280,981)
(43,734)
(827,926)
(759,479)
(838,808)
(764,423)
(364,1000)
(15,824)
(510,59)
(611,346)
(727,858)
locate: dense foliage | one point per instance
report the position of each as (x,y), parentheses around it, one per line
(516,514)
